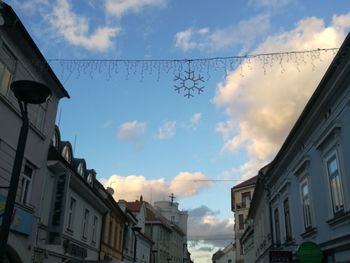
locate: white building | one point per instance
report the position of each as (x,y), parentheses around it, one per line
(178,219)
(71,209)
(307,185)
(226,255)
(20,59)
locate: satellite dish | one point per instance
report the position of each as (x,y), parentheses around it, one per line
(110,190)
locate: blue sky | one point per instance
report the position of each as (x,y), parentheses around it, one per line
(140,135)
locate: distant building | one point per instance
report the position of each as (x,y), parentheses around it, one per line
(226,255)
(256,240)
(113,226)
(20,59)
(143,243)
(178,220)
(241,196)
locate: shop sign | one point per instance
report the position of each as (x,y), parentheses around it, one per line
(309,252)
(21,220)
(279,256)
(57,209)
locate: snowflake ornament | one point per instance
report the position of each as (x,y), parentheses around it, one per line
(189,83)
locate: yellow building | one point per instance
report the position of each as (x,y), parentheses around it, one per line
(241,195)
(112,229)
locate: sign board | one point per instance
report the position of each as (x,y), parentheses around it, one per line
(21,220)
(309,252)
(57,209)
(279,256)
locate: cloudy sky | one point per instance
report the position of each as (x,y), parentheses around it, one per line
(140,135)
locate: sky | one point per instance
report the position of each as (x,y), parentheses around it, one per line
(143,137)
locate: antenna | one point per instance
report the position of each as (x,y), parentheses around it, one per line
(75,141)
(59,117)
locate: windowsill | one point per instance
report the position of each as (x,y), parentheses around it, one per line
(339,218)
(28,207)
(70,231)
(84,238)
(289,242)
(309,231)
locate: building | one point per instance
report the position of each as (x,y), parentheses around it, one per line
(113,226)
(143,243)
(20,59)
(226,255)
(312,165)
(178,220)
(241,196)
(306,188)
(130,229)
(158,228)
(72,208)
(256,239)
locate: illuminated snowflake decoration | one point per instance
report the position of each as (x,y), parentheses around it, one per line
(189,83)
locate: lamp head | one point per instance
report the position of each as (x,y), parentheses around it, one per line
(30,92)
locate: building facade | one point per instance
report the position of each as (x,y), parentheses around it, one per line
(306,188)
(241,196)
(178,220)
(113,226)
(20,59)
(225,255)
(71,209)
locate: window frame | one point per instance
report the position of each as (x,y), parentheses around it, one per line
(11,70)
(307,218)
(287,220)
(333,154)
(26,180)
(71,214)
(277,226)
(85,225)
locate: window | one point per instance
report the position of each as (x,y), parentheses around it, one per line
(80,169)
(110,235)
(66,154)
(305,202)
(240,221)
(246,198)
(86,223)
(335,184)
(287,222)
(54,140)
(26,183)
(277,226)
(7,67)
(71,212)
(94,229)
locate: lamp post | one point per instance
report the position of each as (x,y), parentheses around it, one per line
(26,92)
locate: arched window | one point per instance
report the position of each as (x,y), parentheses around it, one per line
(54,140)
(66,153)
(81,169)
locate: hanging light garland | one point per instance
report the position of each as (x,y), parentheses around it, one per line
(189,74)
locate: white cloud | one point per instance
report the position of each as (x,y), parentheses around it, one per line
(245,33)
(75,28)
(120,7)
(30,6)
(270,3)
(193,121)
(196,118)
(167,130)
(131,131)
(265,106)
(130,187)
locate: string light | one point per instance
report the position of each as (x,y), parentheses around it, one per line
(187,71)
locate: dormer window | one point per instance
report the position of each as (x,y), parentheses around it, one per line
(66,154)
(90,179)
(80,169)
(54,140)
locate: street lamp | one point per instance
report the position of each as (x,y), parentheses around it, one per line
(26,92)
